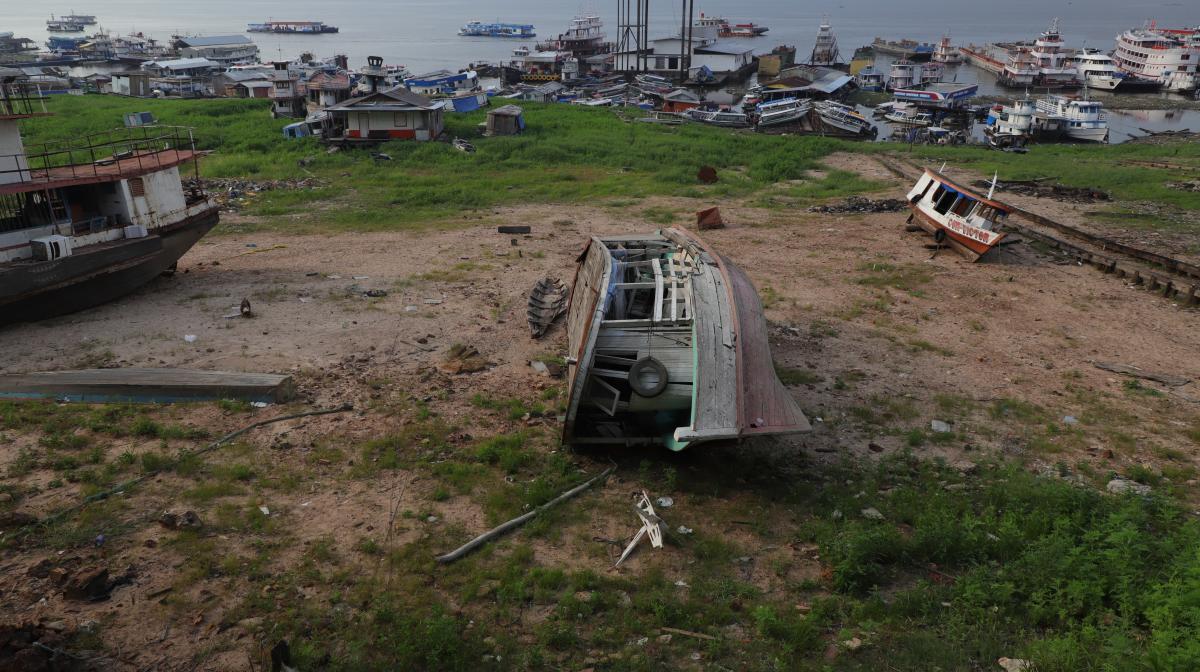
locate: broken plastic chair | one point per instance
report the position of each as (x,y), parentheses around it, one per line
(652,526)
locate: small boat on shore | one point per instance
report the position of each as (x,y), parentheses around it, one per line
(510,30)
(783,111)
(956,215)
(727,118)
(843,117)
(1081,119)
(907,114)
(947,53)
(668,347)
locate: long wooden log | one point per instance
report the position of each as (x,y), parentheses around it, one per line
(519,520)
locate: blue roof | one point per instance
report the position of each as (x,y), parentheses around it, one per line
(215,40)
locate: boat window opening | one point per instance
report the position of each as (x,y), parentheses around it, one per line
(963,206)
(937,193)
(928,183)
(401,120)
(947,200)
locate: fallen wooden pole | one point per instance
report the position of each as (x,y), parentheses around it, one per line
(688,633)
(519,521)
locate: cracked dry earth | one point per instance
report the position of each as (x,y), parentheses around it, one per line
(879,335)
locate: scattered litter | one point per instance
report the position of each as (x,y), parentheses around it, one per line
(410,309)
(190,338)
(1121,486)
(1070,420)
(652,526)
(1164,378)
(265,510)
(180,521)
(251,244)
(872,513)
(244,309)
(431,519)
(99,540)
(684,530)
(709,218)
(463,359)
(375,293)
(513,229)
(432,302)
(334,277)
(362,277)
(539,367)
(305,299)
(665,502)
(859,204)
(682,584)
(642,641)
(305,503)
(940,426)
(689,633)
(853,644)
(259,404)
(1015,665)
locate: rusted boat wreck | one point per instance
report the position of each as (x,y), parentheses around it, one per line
(668,346)
(956,215)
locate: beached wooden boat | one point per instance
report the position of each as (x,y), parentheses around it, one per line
(956,215)
(668,346)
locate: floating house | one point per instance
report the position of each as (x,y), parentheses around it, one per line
(328,88)
(224,49)
(253,83)
(680,100)
(132,83)
(287,92)
(397,114)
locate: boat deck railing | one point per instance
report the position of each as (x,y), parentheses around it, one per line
(21,99)
(111,154)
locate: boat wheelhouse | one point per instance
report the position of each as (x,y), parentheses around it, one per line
(668,347)
(291,28)
(1097,70)
(870,79)
(904,74)
(947,53)
(908,114)
(87,220)
(957,216)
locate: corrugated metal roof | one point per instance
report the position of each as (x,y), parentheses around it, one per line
(184,64)
(215,40)
(386,101)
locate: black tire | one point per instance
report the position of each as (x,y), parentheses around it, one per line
(939,236)
(648,377)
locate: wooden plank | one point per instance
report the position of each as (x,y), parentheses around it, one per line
(658,291)
(147,385)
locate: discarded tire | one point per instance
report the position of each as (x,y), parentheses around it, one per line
(648,377)
(939,236)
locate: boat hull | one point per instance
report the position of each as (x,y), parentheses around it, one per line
(48,289)
(968,247)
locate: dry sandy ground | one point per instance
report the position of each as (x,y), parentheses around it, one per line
(1017,326)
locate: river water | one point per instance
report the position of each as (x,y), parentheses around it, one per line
(421,34)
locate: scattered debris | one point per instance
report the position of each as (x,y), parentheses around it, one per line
(14,519)
(513,229)
(244,309)
(147,385)
(709,218)
(539,367)
(1193,185)
(188,520)
(707,175)
(433,302)
(872,513)
(684,530)
(1125,369)
(463,359)
(665,502)
(652,526)
(1015,665)
(35,646)
(88,584)
(860,204)
(1121,486)
(265,510)
(380,156)
(547,300)
(1042,188)
(520,520)
(689,633)
(190,338)
(1070,420)
(853,644)
(940,426)
(234,193)
(375,293)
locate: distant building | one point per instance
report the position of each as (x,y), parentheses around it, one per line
(135,83)
(702,51)
(326,89)
(287,92)
(253,83)
(397,114)
(224,49)
(680,100)
(443,82)
(182,67)
(506,120)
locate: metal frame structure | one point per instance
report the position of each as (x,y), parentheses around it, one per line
(633,24)
(110,155)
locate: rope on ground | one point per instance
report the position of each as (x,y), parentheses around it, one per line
(520,520)
(210,447)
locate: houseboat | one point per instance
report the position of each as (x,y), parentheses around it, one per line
(1020,123)
(81,19)
(957,216)
(1044,64)
(512,30)
(1166,56)
(291,27)
(75,235)
(1082,120)
(668,347)
(904,74)
(908,114)
(725,29)
(946,53)
(843,118)
(784,111)
(825,49)
(870,79)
